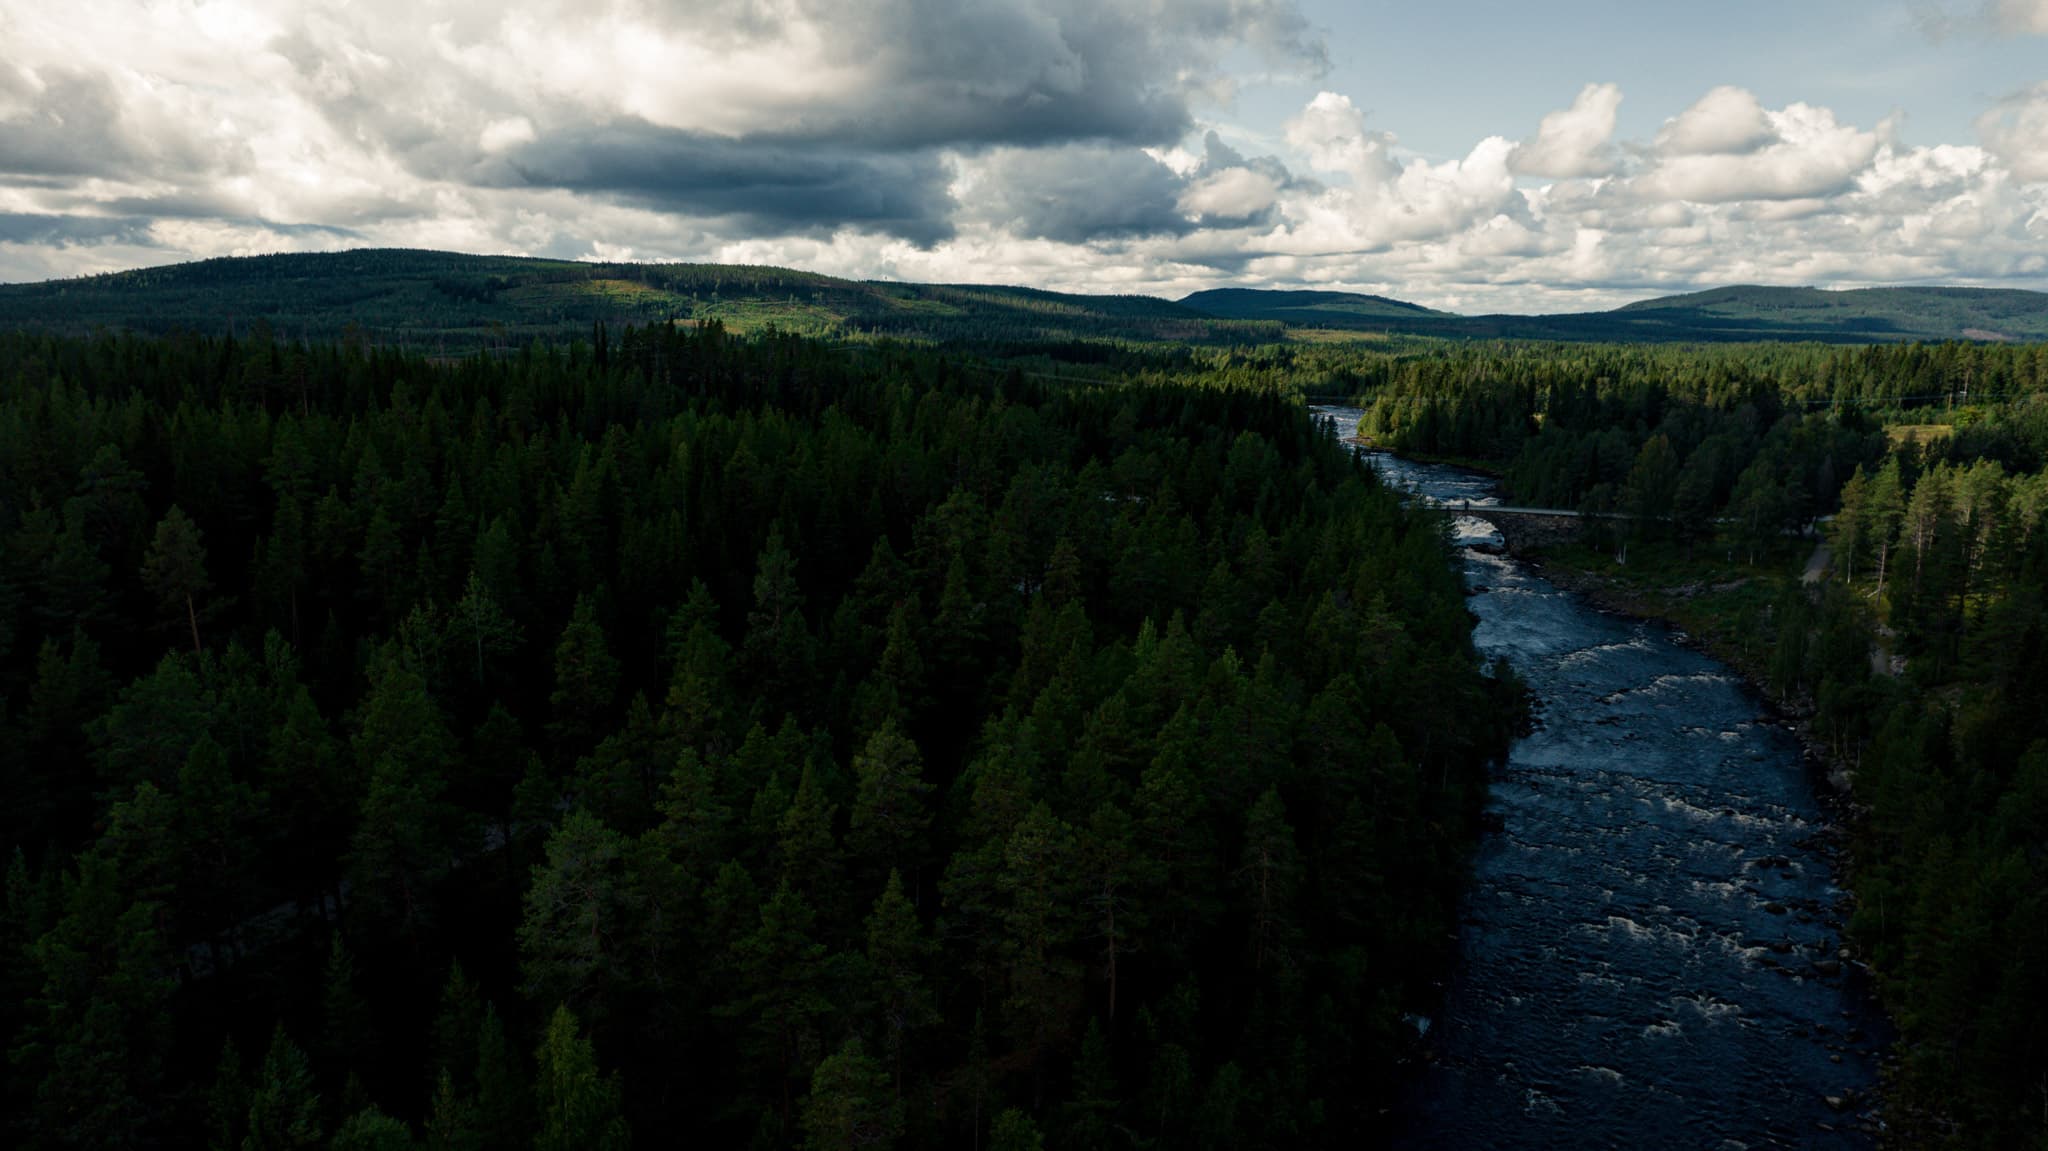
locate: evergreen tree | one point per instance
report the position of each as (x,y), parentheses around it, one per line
(371,1130)
(586,679)
(284,1110)
(889,813)
(581,911)
(174,570)
(227,1103)
(578,1107)
(851,1105)
(898,952)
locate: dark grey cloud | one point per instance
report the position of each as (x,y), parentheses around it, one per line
(767,185)
(943,73)
(912,82)
(71,123)
(1077,193)
(69,126)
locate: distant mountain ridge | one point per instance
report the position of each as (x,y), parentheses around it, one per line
(458,302)
(1741,312)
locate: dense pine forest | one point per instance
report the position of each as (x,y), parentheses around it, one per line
(1922,662)
(672,737)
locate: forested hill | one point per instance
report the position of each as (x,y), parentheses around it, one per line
(445,301)
(1307,309)
(1736,314)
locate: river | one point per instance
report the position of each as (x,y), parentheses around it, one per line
(1648,952)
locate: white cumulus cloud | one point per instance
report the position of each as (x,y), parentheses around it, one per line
(1725,120)
(2017,131)
(1719,157)
(1575,141)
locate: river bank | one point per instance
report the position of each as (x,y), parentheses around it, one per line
(1700,615)
(1651,941)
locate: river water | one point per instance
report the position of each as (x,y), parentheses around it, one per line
(1648,956)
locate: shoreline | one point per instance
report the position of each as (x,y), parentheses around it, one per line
(1833,788)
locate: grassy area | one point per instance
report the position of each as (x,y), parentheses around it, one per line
(1918,434)
(1713,596)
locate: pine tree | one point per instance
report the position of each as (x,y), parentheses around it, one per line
(586,680)
(502,1103)
(284,1110)
(452,1119)
(99,1023)
(1089,1115)
(227,1102)
(778,649)
(851,1105)
(481,628)
(580,912)
(695,829)
(1042,982)
(889,813)
(456,1026)
(781,972)
(578,1107)
(371,1130)
(1013,1130)
(1269,871)
(898,952)
(347,1039)
(174,569)
(811,862)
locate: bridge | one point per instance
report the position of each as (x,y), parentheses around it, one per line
(1524,528)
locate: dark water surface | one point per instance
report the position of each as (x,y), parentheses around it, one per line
(1648,957)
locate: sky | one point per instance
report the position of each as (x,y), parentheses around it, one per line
(1491,156)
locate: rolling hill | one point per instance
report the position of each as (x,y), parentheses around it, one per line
(458,302)
(452,302)
(1307,309)
(1743,313)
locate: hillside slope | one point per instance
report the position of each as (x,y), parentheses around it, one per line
(1912,312)
(1867,315)
(453,301)
(1305,309)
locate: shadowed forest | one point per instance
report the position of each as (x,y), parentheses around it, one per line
(744,738)
(686,738)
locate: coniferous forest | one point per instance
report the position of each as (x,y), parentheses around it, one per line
(1920,663)
(677,738)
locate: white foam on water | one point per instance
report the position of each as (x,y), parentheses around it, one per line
(1707,1007)
(1663,1029)
(1720,889)
(1536,1102)
(1588,654)
(1606,1075)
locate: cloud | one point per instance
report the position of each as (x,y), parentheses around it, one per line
(800,114)
(1233,195)
(1389,200)
(761,185)
(1576,141)
(1725,121)
(2017,131)
(2021,17)
(1074,194)
(1076,144)
(1727,148)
